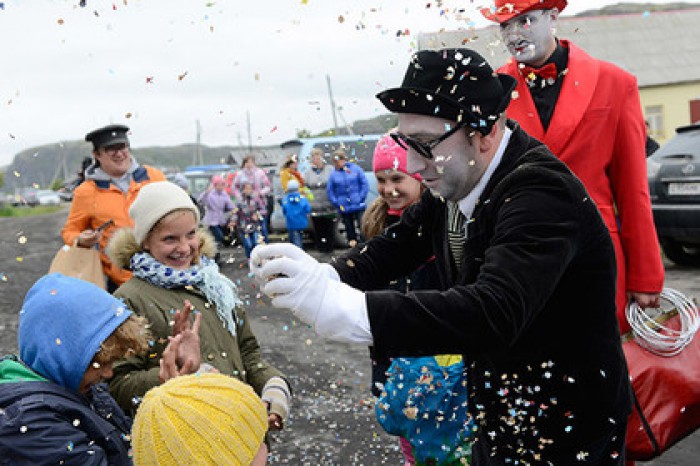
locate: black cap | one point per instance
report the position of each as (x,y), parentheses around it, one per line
(454,84)
(107,136)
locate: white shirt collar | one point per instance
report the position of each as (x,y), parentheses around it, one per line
(467,204)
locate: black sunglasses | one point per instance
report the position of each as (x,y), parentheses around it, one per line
(425,149)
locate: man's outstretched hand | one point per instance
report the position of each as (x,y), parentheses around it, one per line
(312,291)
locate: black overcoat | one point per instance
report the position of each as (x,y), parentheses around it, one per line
(532,308)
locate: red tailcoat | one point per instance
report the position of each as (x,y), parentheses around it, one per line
(598,130)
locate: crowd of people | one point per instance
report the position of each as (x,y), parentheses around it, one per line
(237,206)
(496,222)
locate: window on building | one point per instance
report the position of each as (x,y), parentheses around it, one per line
(654,115)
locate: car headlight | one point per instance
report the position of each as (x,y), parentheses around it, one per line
(653,168)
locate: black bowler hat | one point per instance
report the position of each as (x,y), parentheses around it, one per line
(107,136)
(454,84)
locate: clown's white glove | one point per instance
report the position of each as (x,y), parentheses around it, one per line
(313,292)
(265,252)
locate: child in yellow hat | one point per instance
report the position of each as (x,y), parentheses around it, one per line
(206,419)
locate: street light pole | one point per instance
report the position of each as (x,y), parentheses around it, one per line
(330,96)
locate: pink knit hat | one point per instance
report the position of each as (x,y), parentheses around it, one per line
(388,155)
(217,179)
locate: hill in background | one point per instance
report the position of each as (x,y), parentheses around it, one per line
(42,166)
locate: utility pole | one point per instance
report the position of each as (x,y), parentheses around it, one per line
(64,162)
(330,96)
(198,147)
(61,165)
(345,123)
(250,136)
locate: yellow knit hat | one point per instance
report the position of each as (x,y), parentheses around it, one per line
(205,419)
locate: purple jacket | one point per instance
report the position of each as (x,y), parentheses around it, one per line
(216,207)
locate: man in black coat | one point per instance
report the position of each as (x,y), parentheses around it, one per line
(526,267)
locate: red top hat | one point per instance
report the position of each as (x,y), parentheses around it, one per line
(504,10)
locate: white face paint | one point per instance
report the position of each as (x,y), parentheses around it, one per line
(529,37)
(456,166)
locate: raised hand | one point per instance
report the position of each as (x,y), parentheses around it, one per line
(168,365)
(189,354)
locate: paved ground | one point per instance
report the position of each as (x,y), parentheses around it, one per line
(332,419)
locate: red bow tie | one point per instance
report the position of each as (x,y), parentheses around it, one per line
(547,71)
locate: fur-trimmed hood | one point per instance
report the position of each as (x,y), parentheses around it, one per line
(123,245)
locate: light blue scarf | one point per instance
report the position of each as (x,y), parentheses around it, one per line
(206,277)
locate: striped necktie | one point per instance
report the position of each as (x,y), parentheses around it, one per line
(456,233)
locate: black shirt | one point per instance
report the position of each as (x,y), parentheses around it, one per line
(545,92)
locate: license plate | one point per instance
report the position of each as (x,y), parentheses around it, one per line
(684,189)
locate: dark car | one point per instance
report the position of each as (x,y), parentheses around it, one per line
(674,185)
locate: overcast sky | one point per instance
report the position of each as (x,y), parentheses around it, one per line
(161,65)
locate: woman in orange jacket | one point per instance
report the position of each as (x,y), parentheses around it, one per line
(111,184)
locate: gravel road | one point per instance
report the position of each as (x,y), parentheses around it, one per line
(332,421)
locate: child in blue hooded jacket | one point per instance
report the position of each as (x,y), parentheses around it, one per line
(296,209)
(53,408)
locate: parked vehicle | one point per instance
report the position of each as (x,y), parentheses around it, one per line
(199,176)
(65,194)
(7,199)
(25,197)
(674,184)
(360,150)
(48,197)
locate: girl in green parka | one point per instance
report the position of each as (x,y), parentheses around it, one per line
(172,262)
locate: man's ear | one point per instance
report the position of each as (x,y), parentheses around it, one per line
(489,142)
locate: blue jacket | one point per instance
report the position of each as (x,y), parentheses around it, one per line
(296,208)
(44,423)
(347,188)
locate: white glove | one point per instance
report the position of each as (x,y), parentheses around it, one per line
(263,253)
(315,295)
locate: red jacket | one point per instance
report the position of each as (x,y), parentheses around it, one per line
(95,202)
(598,130)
